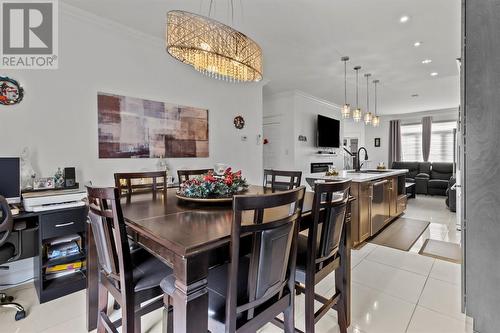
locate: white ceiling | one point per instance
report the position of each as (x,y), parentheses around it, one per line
(303,41)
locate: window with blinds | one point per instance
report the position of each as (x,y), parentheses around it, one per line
(442,142)
(411,143)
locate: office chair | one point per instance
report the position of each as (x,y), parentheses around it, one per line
(8,252)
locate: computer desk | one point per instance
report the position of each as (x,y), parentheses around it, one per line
(41,228)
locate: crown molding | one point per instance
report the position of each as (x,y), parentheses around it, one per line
(113,26)
(295,92)
(437,112)
(317,99)
(100,21)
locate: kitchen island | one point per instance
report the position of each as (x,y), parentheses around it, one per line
(380,199)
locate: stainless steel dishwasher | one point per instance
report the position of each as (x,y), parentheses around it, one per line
(380,210)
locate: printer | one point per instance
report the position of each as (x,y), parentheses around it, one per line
(50,200)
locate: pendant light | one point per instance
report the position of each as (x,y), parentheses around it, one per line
(368,115)
(376,119)
(213,48)
(346,109)
(356,114)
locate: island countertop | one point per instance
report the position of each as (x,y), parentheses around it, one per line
(380,198)
(365,175)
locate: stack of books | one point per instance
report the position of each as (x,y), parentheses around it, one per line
(57,271)
(69,248)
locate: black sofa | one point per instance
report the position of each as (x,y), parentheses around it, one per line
(418,173)
(429,178)
(441,174)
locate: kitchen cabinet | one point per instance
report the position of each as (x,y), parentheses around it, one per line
(360,212)
(378,203)
(393,194)
(380,199)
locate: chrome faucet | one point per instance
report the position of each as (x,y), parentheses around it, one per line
(358,165)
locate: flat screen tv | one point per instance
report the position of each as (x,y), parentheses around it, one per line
(328,132)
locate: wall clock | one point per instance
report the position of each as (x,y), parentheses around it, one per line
(239,122)
(11,91)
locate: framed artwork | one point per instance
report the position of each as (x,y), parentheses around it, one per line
(377,142)
(137,128)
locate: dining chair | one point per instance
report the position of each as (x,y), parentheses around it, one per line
(184,175)
(256,285)
(318,251)
(282,180)
(129,183)
(131,278)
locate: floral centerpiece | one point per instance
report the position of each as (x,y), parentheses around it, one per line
(213,186)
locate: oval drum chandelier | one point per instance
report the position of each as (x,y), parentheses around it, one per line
(213,48)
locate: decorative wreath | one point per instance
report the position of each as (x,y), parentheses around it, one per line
(239,122)
(11,91)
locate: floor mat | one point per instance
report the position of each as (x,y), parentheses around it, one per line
(401,234)
(442,250)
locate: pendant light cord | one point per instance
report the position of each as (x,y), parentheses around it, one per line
(210,8)
(375,97)
(367,94)
(232,12)
(357,85)
(230,7)
(345,82)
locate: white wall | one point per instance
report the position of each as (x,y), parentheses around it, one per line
(280,107)
(354,130)
(278,122)
(381,154)
(307,109)
(57,119)
(297,112)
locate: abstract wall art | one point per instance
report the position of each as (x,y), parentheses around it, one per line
(137,128)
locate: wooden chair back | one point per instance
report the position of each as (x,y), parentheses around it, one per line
(273,226)
(115,262)
(329,211)
(108,228)
(129,183)
(280,180)
(184,175)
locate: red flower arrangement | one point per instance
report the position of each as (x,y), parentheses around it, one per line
(211,185)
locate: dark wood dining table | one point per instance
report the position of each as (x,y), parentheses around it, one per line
(191,238)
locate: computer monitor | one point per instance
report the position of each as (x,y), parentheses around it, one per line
(10,179)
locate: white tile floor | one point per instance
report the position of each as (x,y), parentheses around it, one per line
(392,291)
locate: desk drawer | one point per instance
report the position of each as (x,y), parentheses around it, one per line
(62,223)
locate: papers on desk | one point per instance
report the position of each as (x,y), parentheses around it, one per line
(64,256)
(64,248)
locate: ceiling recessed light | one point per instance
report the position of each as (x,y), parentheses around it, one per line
(434,74)
(404,19)
(414,95)
(426,61)
(417,44)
